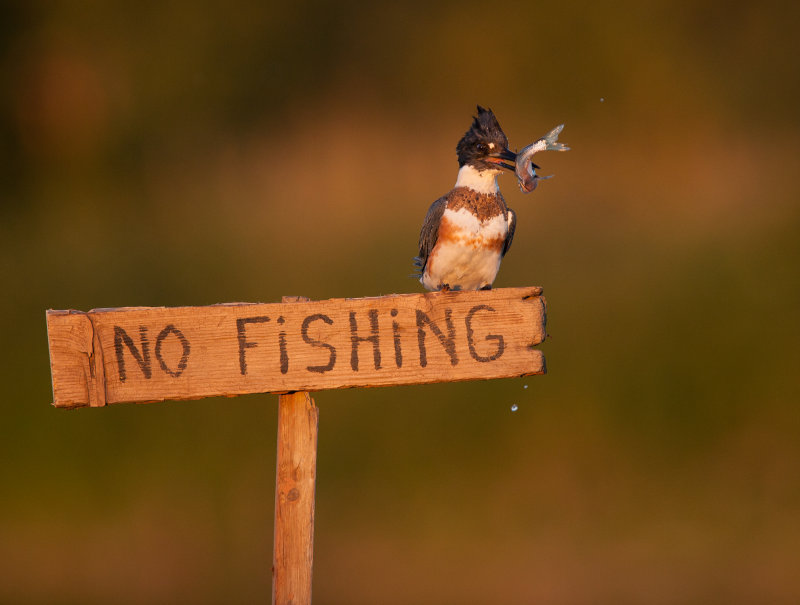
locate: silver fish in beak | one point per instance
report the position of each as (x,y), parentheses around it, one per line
(526,169)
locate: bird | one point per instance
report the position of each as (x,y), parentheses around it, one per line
(468,231)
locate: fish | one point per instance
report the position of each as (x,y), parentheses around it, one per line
(526,169)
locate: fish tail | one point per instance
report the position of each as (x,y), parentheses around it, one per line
(551,140)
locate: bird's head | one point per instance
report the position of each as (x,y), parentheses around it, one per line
(485,146)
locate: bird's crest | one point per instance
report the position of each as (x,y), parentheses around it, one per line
(485,122)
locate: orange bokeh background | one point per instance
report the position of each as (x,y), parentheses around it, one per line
(194,153)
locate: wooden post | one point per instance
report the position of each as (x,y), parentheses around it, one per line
(295,485)
(293,554)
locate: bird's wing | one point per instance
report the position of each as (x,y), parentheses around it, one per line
(429,232)
(512,225)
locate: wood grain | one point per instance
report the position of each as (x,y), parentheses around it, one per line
(144,354)
(293,553)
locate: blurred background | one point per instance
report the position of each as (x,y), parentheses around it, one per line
(189,153)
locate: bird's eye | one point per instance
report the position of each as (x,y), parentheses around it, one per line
(480,147)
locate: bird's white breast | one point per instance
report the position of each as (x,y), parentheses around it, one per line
(468,253)
(469,226)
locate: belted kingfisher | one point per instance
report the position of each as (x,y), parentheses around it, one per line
(467,232)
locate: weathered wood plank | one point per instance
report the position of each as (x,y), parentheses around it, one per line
(142,354)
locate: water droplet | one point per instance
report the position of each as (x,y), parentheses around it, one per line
(525,386)
(602,99)
(514,407)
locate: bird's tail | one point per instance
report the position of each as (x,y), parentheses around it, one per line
(419,266)
(551,140)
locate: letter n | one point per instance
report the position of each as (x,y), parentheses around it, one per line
(448,341)
(142,357)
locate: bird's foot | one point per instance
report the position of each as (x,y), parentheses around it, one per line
(444,288)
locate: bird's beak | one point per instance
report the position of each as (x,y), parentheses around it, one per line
(504,158)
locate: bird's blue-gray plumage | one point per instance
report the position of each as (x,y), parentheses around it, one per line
(429,232)
(512,225)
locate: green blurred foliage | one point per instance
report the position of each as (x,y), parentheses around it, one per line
(187,153)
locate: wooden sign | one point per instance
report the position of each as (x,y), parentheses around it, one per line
(143,354)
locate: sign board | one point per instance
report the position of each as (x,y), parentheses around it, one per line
(144,354)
